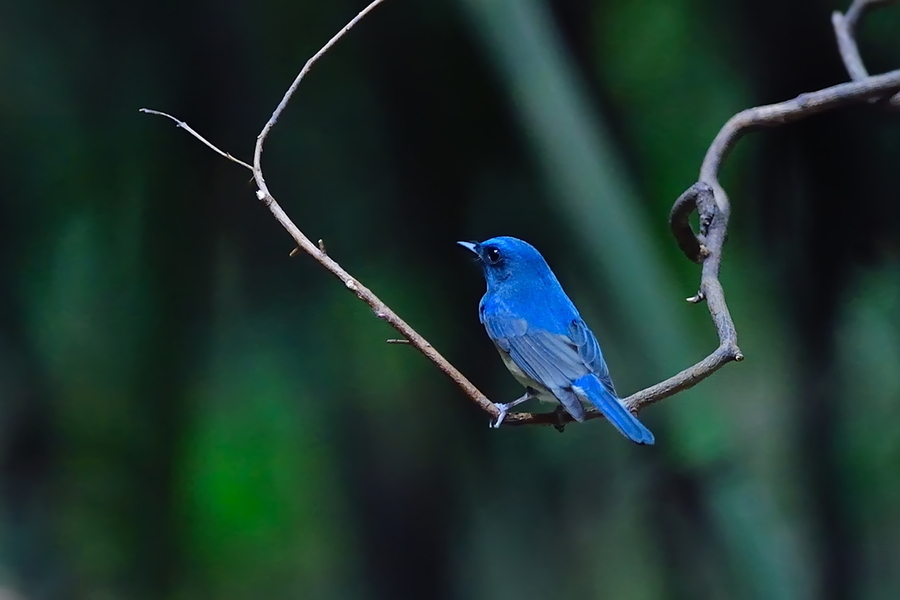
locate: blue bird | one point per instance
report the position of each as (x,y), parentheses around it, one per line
(542,339)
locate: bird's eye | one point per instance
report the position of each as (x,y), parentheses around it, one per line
(493,255)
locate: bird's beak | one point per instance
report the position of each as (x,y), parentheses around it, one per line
(469,246)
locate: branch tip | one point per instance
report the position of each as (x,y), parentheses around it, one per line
(190,130)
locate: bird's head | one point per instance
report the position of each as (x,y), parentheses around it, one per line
(505,258)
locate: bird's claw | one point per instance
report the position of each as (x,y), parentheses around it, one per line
(560,424)
(504,410)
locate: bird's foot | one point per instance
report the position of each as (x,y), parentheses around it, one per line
(504,410)
(560,424)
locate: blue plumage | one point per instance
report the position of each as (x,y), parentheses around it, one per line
(541,337)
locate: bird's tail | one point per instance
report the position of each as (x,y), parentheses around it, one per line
(590,389)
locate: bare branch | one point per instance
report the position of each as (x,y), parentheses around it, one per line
(381,310)
(711,202)
(845,26)
(704,246)
(713,227)
(317,251)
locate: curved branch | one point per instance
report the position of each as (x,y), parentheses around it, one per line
(774,115)
(711,202)
(845,26)
(713,230)
(704,247)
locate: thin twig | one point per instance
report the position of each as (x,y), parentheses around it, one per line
(845,26)
(261,138)
(191,131)
(705,246)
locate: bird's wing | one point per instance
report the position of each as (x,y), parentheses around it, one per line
(552,360)
(589,351)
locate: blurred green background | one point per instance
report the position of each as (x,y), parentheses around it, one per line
(186,412)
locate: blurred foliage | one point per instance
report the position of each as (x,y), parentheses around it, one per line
(186,412)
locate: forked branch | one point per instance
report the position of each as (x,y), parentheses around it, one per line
(706,197)
(317,251)
(845,26)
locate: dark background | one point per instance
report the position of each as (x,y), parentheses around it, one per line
(185,412)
